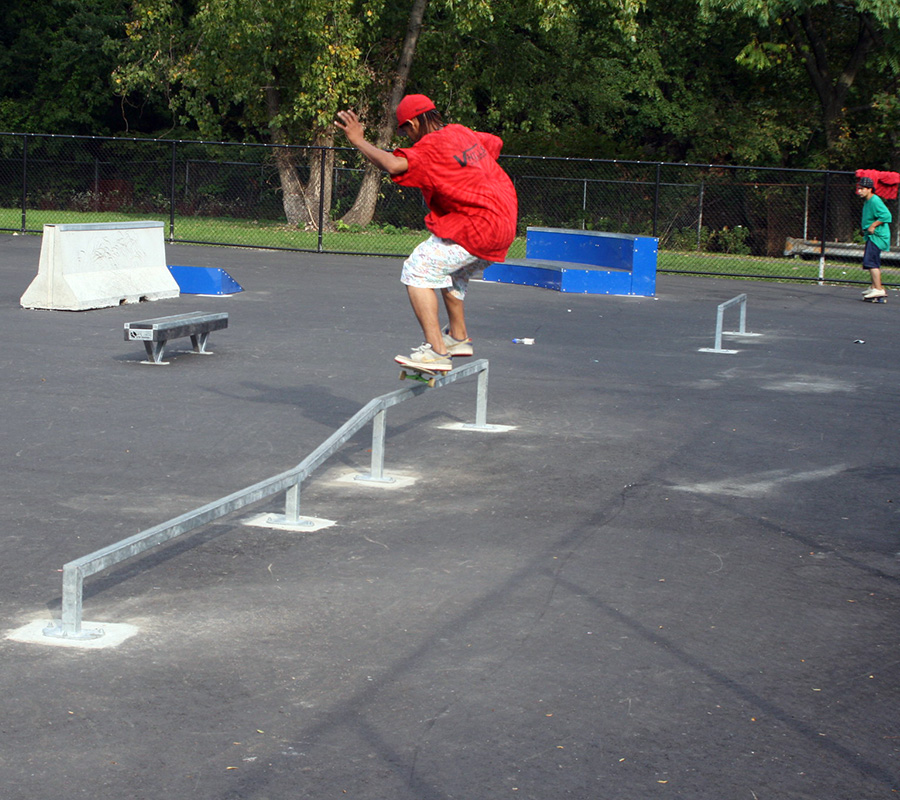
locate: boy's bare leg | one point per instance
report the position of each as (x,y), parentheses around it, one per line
(425,306)
(875,277)
(456,314)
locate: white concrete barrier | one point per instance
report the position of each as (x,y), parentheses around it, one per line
(100,264)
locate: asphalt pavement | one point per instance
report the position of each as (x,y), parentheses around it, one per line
(676,574)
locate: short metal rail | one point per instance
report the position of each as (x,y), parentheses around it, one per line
(740,300)
(155,333)
(74,572)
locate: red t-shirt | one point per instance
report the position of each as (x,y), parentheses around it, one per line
(471,200)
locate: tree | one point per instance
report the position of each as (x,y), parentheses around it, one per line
(835,41)
(391,64)
(55,65)
(363,209)
(282,68)
(277,69)
(692,101)
(610,81)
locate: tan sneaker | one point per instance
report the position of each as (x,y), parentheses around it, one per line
(457,347)
(873,293)
(424,357)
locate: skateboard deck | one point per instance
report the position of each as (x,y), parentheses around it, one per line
(874,299)
(420,374)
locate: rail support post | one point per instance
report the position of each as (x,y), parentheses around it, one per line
(70,619)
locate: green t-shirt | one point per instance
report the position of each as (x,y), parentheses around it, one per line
(874,208)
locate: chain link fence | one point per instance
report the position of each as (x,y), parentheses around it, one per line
(710,220)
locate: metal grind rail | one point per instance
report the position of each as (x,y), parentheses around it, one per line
(741,301)
(289,481)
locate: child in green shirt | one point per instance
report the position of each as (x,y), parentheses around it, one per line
(877,233)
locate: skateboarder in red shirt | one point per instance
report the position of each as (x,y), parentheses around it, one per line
(472,217)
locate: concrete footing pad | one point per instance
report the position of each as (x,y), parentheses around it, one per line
(113,635)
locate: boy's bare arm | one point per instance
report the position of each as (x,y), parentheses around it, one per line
(353,129)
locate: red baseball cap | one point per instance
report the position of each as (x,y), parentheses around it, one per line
(411,106)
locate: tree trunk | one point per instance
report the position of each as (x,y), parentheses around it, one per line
(832,94)
(300,208)
(317,193)
(363,209)
(293,192)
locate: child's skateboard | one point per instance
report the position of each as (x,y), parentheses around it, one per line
(420,374)
(881,299)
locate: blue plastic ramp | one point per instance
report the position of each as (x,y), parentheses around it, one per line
(204,280)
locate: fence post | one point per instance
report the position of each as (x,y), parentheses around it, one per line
(172,194)
(806,215)
(700,214)
(24,178)
(824,227)
(656,198)
(321,196)
(583,204)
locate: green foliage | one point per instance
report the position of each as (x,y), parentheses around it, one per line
(687,239)
(55,62)
(537,72)
(743,82)
(385,229)
(845,53)
(252,68)
(730,240)
(527,221)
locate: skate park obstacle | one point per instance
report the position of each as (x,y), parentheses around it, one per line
(740,300)
(91,265)
(155,333)
(585,262)
(204,280)
(74,572)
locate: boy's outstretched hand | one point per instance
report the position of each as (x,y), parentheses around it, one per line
(355,132)
(349,123)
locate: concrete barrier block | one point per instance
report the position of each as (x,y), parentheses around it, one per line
(100,264)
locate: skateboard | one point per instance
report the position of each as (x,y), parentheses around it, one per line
(420,374)
(875,299)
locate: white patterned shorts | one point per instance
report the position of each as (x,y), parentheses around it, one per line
(441,264)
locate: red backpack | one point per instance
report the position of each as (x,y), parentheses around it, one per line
(886,183)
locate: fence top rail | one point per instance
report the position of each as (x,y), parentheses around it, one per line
(133,139)
(505,156)
(681,164)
